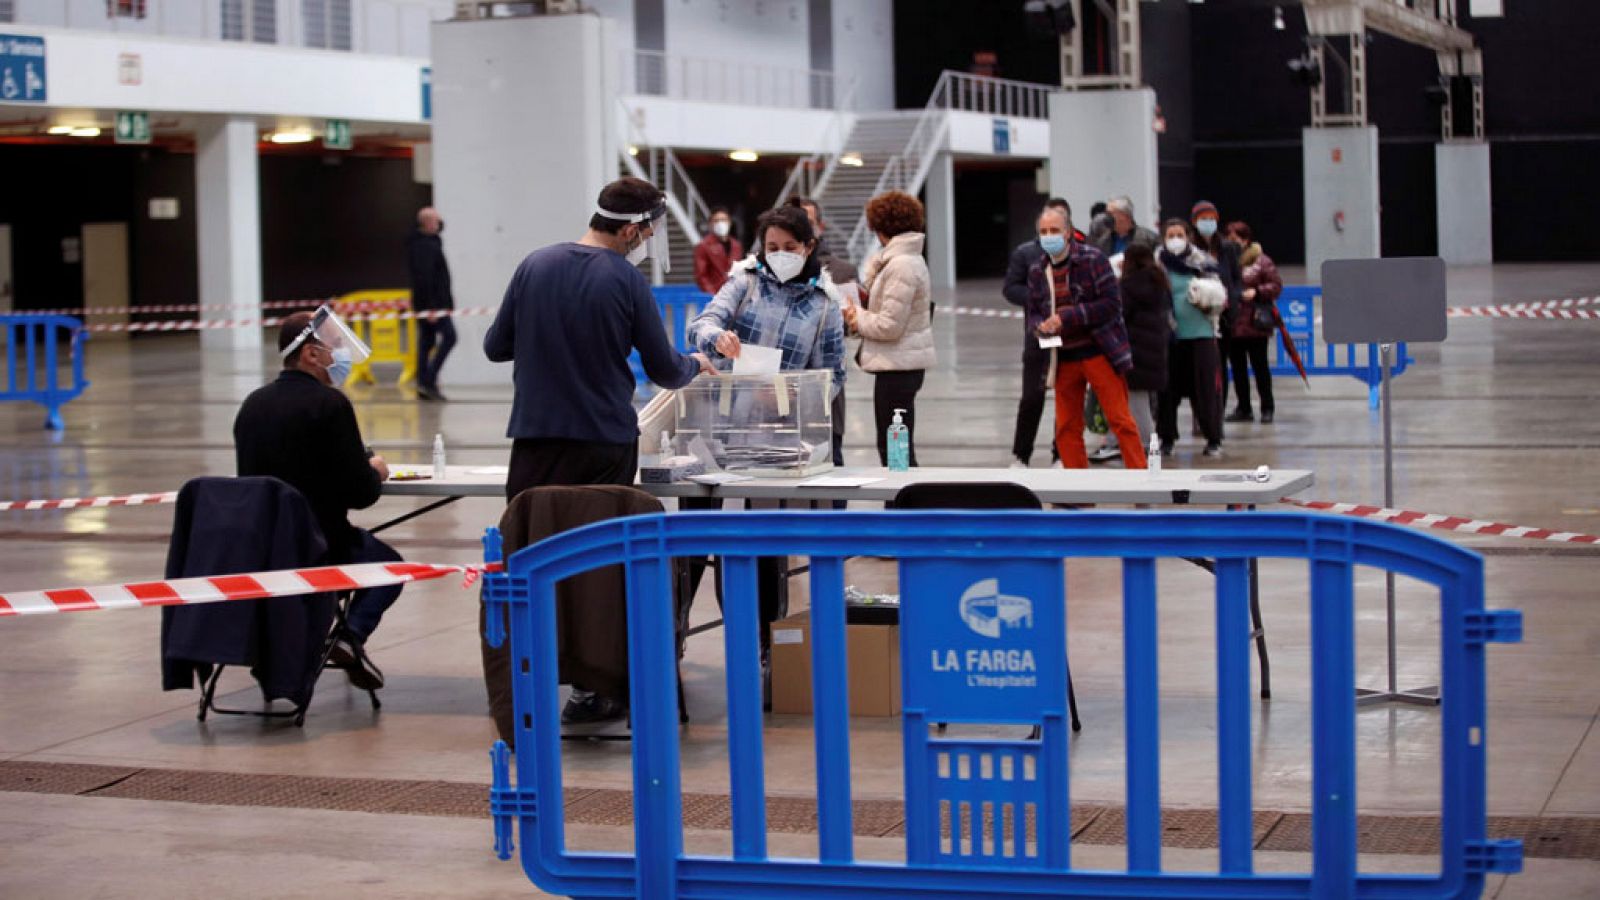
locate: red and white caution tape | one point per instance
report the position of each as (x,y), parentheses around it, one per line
(1513,312)
(1565,303)
(988,312)
(89,502)
(254,586)
(312,303)
(1458,524)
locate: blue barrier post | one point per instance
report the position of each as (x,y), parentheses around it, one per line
(1297,307)
(38,336)
(983,642)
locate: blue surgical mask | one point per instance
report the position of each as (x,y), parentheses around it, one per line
(339,370)
(1053,244)
(1206,227)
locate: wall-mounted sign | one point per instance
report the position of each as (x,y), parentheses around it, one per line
(336,134)
(163,207)
(1002,135)
(130,69)
(133,127)
(427,93)
(22,69)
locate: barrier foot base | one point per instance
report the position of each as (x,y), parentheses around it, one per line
(1423,696)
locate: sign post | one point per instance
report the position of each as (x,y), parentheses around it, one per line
(1385,301)
(132,127)
(336,135)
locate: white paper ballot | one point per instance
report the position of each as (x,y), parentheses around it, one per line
(1046,343)
(757,360)
(715,478)
(838,481)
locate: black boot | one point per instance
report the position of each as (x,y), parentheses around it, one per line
(1241,414)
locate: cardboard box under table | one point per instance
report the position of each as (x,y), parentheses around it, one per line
(873,655)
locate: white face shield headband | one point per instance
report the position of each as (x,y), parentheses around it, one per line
(655,247)
(327,329)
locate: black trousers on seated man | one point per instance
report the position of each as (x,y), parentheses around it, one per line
(368,605)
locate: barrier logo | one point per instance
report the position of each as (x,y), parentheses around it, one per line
(987,611)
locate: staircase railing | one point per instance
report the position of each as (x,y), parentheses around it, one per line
(812,172)
(955,91)
(664,170)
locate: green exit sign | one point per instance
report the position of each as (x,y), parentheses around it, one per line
(336,135)
(133,127)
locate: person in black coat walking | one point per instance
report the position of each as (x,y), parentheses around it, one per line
(302,430)
(430,290)
(1147,312)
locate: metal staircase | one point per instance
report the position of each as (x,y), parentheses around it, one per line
(688,211)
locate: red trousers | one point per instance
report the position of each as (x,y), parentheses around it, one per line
(1072,377)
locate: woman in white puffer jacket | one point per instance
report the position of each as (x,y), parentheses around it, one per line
(896,323)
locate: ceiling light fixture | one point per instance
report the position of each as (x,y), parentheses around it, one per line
(851,159)
(85,132)
(633,150)
(59,129)
(290,137)
(743,155)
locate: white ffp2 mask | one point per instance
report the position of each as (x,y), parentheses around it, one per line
(1176,246)
(720,229)
(785,265)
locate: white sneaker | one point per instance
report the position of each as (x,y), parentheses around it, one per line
(1106,452)
(1017,463)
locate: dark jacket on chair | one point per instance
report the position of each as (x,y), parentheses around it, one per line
(591,608)
(230,526)
(300,430)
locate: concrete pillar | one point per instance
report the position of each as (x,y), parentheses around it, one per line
(1103,144)
(941,230)
(523,141)
(228,219)
(1341,192)
(1461,173)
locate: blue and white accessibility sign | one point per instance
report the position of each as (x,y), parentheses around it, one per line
(984,643)
(22,76)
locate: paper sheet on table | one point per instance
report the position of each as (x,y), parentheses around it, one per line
(489,470)
(715,478)
(838,481)
(757,360)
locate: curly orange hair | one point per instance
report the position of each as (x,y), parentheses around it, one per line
(894,212)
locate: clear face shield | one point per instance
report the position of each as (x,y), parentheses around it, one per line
(327,329)
(653,247)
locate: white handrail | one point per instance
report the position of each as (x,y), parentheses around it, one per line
(730,81)
(826,157)
(635,138)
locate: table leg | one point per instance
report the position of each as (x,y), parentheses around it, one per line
(413,514)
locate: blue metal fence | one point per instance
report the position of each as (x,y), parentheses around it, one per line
(32,342)
(1297,305)
(983,641)
(679,303)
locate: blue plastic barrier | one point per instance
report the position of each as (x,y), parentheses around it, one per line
(983,641)
(679,303)
(31,341)
(1298,307)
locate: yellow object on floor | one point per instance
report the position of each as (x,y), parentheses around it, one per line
(391,340)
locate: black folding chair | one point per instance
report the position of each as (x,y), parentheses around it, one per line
(978,495)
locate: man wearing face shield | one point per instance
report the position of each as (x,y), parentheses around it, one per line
(571,315)
(300,429)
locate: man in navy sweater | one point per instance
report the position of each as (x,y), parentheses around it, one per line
(571,315)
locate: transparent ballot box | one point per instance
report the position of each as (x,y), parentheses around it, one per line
(777,425)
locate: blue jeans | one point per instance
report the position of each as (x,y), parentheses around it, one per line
(368,605)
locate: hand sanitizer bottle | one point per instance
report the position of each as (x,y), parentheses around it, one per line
(1153,455)
(438,457)
(899,444)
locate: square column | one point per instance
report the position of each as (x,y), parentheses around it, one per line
(1466,232)
(228,220)
(941,224)
(1341,193)
(1103,144)
(524,138)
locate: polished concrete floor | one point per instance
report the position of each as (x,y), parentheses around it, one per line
(1496,423)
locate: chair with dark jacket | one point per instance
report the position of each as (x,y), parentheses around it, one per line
(591,608)
(229,526)
(978,495)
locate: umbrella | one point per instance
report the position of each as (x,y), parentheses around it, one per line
(1290,348)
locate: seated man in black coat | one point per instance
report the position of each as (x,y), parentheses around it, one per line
(301,429)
